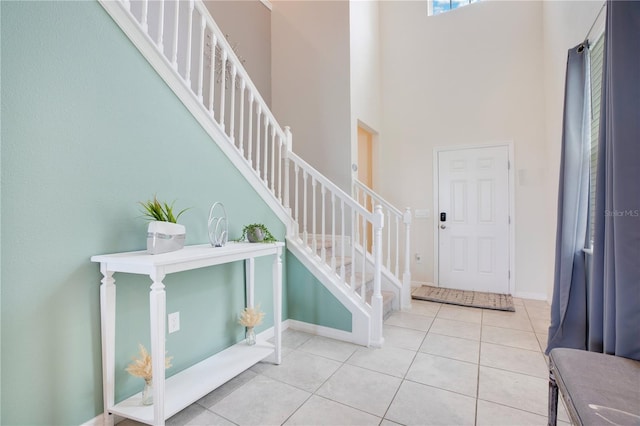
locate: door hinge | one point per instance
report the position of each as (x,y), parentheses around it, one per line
(509,274)
(508,164)
(509,219)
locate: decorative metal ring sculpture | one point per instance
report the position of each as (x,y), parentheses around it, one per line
(218,226)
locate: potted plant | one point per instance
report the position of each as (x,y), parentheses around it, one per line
(164,234)
(257,233)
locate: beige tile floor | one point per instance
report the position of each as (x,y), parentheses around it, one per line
(440,365)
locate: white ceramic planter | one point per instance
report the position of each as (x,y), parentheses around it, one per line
(163,237)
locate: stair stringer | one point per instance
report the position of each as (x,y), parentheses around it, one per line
(172,78)
(360,312)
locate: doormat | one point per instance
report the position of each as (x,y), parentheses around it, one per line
(475,299)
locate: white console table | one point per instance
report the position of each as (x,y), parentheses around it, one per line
(184,388)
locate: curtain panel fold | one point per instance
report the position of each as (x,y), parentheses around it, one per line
(614,298)
(569,305)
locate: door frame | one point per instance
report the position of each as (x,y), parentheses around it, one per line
(512,223)
(374,152)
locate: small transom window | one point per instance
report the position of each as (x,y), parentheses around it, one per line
(437,7)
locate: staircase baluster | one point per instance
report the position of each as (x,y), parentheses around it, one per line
(250,135)
(305,236)
(397,247)
(176,27)
(323,250)
(241,129)
(187,73)
(161,27)
(313,215)
(388,245)
(232,108)
(258,122)
(342,238)
(288,142)
(406,276)
(354,227)
(145,15)
(265,156)
(212,74)
(333,231)
(281,163)
(363,284)
(223,82)
(296,170)
(273,159)
(203,24)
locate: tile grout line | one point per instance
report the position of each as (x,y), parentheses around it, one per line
(404,377)
(475,418)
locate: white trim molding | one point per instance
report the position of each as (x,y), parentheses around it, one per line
(320,330)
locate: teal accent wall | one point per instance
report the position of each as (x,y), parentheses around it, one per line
(309,301)
(88,130)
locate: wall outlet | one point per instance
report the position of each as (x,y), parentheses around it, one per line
(174,322)
(418,257)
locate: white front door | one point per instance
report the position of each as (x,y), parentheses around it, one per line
(473,219)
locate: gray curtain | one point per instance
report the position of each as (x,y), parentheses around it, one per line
(569,306)
(614,308)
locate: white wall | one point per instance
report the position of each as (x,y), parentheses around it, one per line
(248,25)
(366,85)
(565,24)
(311,82)
(471,76)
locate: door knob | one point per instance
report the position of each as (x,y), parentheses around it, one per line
(443,226)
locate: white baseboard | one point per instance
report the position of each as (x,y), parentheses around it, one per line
(96,421)
(533,296)
(320,330)
(99,420)
(421,283)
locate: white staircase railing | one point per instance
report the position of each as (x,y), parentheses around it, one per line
(397,234)
(186,47)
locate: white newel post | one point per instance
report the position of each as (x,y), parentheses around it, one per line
(376,299)
(158,308)
(406,275)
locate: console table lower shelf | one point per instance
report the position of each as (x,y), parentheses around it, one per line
(188,386)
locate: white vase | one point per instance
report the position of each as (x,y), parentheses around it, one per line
(163,237)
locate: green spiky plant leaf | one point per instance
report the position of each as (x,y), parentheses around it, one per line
(160,211)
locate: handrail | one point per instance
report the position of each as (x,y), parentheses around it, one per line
(202,9)
(334,188)
(359,186)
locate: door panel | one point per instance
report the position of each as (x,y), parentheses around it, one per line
(473,241)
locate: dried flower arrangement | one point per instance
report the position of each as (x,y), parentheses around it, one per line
(251,317)
(142,367)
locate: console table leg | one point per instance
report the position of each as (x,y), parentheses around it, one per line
(277,304)
(250,281)
(108,331)
(157,305)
